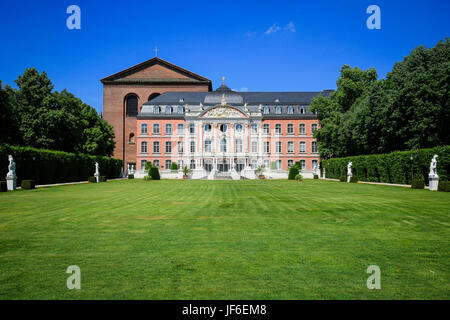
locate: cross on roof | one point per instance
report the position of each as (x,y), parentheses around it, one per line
(156,51)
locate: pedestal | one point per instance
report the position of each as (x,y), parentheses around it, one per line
(97,177)
(433,182)
(348,178)
(11,182)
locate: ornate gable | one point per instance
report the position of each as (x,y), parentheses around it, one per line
(223,112)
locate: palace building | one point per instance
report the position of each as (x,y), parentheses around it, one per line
(168,115)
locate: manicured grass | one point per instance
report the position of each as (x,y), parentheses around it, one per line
(224,240)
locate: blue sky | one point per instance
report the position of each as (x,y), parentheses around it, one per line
(312,40)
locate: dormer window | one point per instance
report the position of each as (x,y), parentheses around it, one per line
(181,100)
(266,110)
(180,110)
(169,109)
(156,110)
(302,110)
(290,110)
(278,110)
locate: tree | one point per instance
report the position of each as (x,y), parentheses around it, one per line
(8,123)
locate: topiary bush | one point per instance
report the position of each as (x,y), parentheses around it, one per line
(418,184)
(102,179)
(293,172)
(298,177)
(343,179)
(3,186)
(131,176)
(28,184)
(316,176)
(154,173)
(354,179)
(92,179)
(444,186)
(173,166)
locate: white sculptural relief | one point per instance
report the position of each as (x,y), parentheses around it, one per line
(433,165)
(11,177)
(349,171)
(223,112)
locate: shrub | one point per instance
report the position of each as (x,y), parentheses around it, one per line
(418,184)
(147,178)
(293,172)
(3,186)
(102,179)
(444,186)
(298,177)
(27,184)
(316,176)
(92,179)
(148,165)
(131,176)
(354,179)
(154,173)
(174,166)
(343,179)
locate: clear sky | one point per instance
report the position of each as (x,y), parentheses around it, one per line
(258,45)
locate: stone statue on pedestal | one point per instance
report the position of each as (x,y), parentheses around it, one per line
(97,173)
(349,171)
(11,178)
(433,177)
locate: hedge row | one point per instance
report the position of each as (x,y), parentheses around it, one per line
(47,166)
(393,167)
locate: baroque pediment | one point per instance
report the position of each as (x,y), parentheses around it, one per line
(223,112)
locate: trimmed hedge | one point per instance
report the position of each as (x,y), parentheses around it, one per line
(343,178)
(418,184)
(444,186)
(392,167)
(92,179)
(3,186)
(174,166)
(131,176)
(28,184)
(47,166)
(316,176)
(154,173)
(293,172)
(353,179)
(102,179)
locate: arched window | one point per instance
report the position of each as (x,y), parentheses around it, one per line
(156,110)
(223,128)
(153,96)
(131,138)
(169,109)
(131,103)
(144,147)
(290,110)
(180,110)
(238,146)
(207,127)
(278,110)
(239,127)
(223,145)
(266,110)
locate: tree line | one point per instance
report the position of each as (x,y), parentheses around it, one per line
(409,109)
(36,116)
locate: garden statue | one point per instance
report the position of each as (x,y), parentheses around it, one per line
(433,177)
(97,173)
(349,171)
(11,177)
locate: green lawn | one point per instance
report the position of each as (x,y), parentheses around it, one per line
(224,240)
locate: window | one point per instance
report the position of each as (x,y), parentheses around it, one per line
(266,110)
(169,110)
(180,164)
(156,110)
(192,146)
(303,164)
(266,128)
(180,129)
(223,145)
(254,128)
(192,128)
(180,145)
(207,127)
(313,127)
(290,147)
(254,146)
(302,147)
(168,147)
(302,128)
(156,163)
(238,145)
(144,147)
(314,164)
(180,110)
(302,110)
(143,163)
(192,164)
(279,165)
(278,110)
(278,128)
(266,147)
(207,145)
(278,147)
(168,129)
(168,164)
(156,128)
(290,110)
(132,105)
(223,128)
(239,127)
(156,147)
(254,164)
(290,128)
(290,163)
(266,163)
(314,147)
(144,128)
